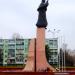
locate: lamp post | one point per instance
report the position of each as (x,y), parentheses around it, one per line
(64,49)
(54,32)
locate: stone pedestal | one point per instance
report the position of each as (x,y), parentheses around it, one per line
(40,50)
(31,57)
(36,60)
(41,61)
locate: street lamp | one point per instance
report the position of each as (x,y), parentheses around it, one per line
(64,49)
(54,32)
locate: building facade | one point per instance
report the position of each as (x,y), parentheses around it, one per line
(52,51)
(13,51)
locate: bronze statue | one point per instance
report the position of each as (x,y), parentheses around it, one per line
(42,21)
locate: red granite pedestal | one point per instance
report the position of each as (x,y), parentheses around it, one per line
(31,58)
(36,57)
(41,61)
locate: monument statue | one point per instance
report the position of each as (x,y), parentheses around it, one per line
(37,61)
(41,63)
(42,21)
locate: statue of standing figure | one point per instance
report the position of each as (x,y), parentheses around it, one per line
(42,21)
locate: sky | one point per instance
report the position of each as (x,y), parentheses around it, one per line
(20,16)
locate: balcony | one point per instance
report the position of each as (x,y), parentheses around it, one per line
(18,62)
(11,47)
(19,52)
(11,41)
(11,56)
(53,47)
(54,50)
(20,43)
(20,47)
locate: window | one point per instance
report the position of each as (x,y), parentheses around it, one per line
(19,58)
(51,42)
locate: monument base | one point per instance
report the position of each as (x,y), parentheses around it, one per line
(36,57)
(41,61)
(31,58)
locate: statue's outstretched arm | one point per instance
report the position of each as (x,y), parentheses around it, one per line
(47,3)
(44,1)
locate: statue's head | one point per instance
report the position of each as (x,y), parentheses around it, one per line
(43,1)
(43,5)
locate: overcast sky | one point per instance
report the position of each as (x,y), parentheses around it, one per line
(20,16)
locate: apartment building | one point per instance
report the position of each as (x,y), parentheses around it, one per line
(13,51)
(52,51)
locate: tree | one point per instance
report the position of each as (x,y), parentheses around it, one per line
(68,58)
(1,56)
(47,51)
(17,36)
